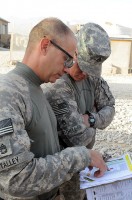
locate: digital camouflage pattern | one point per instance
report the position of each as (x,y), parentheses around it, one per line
(71,189)
(93,48)
(71,99)
(23,174)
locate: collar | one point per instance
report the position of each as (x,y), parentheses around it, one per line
(27,73)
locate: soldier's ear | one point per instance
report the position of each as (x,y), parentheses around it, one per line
(44,45)
(67,70)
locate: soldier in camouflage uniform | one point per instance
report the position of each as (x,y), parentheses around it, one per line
(31,163)
(81,99)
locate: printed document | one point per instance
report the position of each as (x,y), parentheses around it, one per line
(116,184)
(118,169)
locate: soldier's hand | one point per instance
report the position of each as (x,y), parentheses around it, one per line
(85,119)
(98,162)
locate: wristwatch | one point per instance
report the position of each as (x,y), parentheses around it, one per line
(91,119)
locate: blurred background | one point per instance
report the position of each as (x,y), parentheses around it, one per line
(18,17)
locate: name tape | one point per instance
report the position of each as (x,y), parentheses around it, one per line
(16,160)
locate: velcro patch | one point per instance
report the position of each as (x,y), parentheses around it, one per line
(16,160)
(6,127)
(60,108)
(5,147)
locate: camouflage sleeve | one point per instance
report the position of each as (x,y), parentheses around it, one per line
(104,104)
(71,127)
(22,175)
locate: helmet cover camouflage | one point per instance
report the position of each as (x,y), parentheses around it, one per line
(93,48)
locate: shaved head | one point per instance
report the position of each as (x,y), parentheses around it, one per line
(52,28)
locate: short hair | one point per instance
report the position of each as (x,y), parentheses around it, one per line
(52,27)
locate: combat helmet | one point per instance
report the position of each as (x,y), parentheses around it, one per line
(93,46)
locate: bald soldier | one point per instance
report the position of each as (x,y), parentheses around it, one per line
(81,99)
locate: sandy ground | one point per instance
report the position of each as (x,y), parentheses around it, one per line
(116,139)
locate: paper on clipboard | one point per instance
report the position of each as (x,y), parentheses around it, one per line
(119,169)
(116,184)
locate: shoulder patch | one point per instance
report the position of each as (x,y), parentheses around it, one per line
(60,108)
(5,147)
(6,127)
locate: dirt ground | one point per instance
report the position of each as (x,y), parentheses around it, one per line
(116,139)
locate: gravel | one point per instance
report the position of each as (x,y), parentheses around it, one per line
(116,139)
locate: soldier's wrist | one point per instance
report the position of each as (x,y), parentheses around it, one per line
(91,119)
